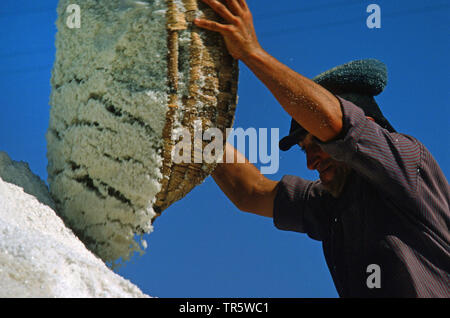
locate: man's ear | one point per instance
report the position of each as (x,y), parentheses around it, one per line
(370,118)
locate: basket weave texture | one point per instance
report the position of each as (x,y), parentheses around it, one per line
(213,79)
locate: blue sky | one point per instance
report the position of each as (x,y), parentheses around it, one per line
(203,246)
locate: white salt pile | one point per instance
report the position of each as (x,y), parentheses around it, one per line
(108,107)
(39,256)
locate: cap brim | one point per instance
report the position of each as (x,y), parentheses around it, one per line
(292,139)
(285,143)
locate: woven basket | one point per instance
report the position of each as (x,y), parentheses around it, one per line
(210,61)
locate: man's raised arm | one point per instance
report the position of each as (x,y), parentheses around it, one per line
(311,105)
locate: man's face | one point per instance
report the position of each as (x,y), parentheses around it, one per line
(332,173)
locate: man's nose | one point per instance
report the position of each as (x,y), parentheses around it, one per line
(312,159)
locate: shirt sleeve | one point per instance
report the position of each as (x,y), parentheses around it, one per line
(302,206)
(389,161)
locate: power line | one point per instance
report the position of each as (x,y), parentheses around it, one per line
(350,21)
(268,34)
(27,52)
(260,16)
(27,70)
(418,10)
(346,3)
(7,14)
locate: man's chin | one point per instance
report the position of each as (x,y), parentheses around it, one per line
(327,176)
(334,179)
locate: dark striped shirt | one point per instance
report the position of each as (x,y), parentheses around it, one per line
(393,213)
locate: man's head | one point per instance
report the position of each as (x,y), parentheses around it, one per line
(358,82)
(332,173)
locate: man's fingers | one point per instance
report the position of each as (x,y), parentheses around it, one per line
(221,10)
(243,4)
(210,25)
(234,6)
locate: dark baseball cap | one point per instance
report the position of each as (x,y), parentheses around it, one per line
(358,82)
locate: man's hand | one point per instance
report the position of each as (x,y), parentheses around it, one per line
(239,34)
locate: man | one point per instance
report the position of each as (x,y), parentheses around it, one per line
(382,203)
